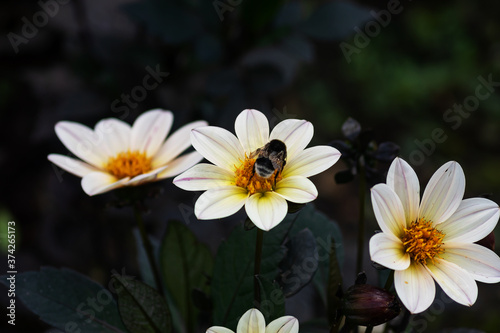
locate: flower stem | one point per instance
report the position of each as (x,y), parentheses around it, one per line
(258,259)
(149,249)
(361,223)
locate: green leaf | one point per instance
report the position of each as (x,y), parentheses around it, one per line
(323,230)
(233,282)
(186,265)
(141,307)
(334,287)
(272,303)
(68,300)
(146,271)
(300,263)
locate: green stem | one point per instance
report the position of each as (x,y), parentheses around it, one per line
(361,222)
(369,329)
(256,272)
(149,249)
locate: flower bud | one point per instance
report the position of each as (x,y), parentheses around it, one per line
(366,305)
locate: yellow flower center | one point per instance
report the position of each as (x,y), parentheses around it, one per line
(246,177)
(129,164)
(422,241)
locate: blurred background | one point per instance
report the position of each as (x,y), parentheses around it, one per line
(420,74)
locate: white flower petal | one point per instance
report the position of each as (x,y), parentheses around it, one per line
(116,135)
(286,324)
(296,134)
(147,177)
(204,176)
(415,288)
(149,131)
(474,219)
(388,210)
(297,189)
(443,193)
(180,164)
(100,182)
(218,329)
(311,161)
(74,166)
(219,146)
(455,281)
(251,322)
(482,263)
(404,181)
(266,210)
(389,251)
(176,143)
(82,141)
(252,129)
(220,202)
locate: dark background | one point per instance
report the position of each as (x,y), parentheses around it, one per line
(283,58)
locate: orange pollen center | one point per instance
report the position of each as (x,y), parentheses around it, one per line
(246,177)
(129,164)
(422,241)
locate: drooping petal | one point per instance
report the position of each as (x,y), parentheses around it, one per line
(116,135)
(74,166)
(147,177)
(389,251)
(176,143)
(311,161)
(220,202)
(204,176)
(404,181)
(150,130)
(415,287)
(219,146)
(443,193)
(100,182)
(457,283)
(218,329)
(482,263)
(296,134)
(297,189)
(266,210)
(180,164)
(388,210)
(286,324)
(82,141)
(252,129)
(474,219)
(251,322)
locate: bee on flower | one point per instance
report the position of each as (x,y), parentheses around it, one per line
(255,168)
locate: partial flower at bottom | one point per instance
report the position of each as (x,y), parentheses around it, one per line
(432,239)
(116,154)
(233,181)
(253,322)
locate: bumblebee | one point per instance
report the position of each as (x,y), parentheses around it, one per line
(270,158)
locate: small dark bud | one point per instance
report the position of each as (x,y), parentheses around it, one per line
(488,241)
(367,305)
(387,151)
(360,278)
(351,128)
